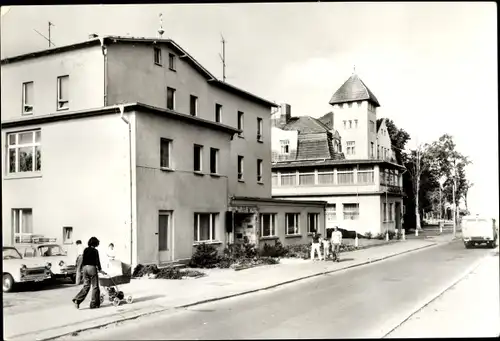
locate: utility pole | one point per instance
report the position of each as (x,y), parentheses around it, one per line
(49,38)
(223,58)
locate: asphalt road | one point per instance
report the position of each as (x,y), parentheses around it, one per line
(347,304)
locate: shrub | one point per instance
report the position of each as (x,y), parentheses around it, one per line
(399,235)
(299,250)
(368,235)
(392,234)
(145,270)
(380,236)
(276,250)
(205,256)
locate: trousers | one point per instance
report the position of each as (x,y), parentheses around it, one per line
(90,278)
(78,279)
(315,248)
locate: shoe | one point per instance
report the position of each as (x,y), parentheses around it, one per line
(77,305)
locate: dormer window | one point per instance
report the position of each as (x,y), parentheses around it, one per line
(28,98)
(285,146)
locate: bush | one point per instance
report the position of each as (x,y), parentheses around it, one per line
(205,256)
(399,235)
(368,235)
(276,250)
(145,270)
(392,234)
(380,236)
(299,251)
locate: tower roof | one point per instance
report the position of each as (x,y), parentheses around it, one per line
(353,90)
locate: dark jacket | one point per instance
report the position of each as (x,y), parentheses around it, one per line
(91,257)
(316,239)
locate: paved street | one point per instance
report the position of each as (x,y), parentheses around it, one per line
(359,302)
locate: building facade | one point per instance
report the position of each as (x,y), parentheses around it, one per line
(343,158)
(133,141)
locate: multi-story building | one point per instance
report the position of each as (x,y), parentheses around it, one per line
(135,142)
(344,158)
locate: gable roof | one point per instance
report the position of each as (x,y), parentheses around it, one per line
(305,125)
(327,120)
(379,123)
(353,90)
(109,39)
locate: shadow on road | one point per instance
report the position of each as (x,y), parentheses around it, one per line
(108,304)
(50,285)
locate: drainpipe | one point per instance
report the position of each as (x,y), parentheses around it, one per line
(122,109)
(105,54)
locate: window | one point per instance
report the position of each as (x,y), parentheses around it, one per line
(292,224)
(240,167)
(165,149)
(331,212)
(345,124)
(171,61)
(356,124)
(366,175)
(268,225)
(22,224)
(274,179)
(157,56)
(240,122)
(259,170)
(351,211)
(24,150)
(372,127)
(289,178)
(67,235)
(28,92)
(325,176)
(350,124)
(198,153)
(385,211)
(171,98)
(345,176)
(285,146)
(193,105)
(371,149)
(351,147)
(306,178)
(214,161)
(259,129)
(390,211)
(341,105)
(163,227)
(218,112)
(349,104)
(205,226)
(359,104)
(62,92)
(378,152)
(312,222)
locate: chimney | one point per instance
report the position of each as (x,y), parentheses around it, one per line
(285,114)
(93,36)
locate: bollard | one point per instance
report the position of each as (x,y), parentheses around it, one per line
(387,236)
(356,241)
(403,236)
(440,227)
(416,232)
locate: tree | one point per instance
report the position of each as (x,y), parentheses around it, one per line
(467,186)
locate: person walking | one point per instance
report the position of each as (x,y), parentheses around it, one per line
(326,248)
(336,242)
(79,257)
(315,246)
(91,267)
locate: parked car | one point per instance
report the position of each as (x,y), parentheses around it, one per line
(17,269)
(62,265)
(479,229)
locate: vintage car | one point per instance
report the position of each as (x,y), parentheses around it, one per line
(479,229)
(17,269)
(62,265)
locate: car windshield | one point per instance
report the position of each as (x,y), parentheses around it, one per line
(11,253)
(51,250)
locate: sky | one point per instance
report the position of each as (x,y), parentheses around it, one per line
(432,66)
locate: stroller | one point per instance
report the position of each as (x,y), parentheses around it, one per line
(115,296)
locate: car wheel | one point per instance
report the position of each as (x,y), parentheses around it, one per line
(8,283)
(468,245)
(73,279)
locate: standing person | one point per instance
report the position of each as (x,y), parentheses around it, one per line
(91,266)
(315,246)
(336,242)
(79,257)
(326,248)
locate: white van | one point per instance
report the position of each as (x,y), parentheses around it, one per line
(479,229)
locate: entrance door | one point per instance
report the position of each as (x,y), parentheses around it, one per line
(398,216)
(164,237)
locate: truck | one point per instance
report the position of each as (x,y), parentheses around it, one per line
(478,229)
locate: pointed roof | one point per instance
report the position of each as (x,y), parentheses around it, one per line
(305,125)
(327,120)
(353,90)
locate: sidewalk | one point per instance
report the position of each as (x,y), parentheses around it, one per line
(468,309)
(152,296)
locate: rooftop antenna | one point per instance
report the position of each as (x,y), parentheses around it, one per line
(223,58)
(354,70)
(160,30)
(48,39)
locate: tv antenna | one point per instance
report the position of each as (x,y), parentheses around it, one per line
(223,58)
(160,30)
(48,39)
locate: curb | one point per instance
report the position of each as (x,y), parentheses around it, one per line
(391,327)
(164,309)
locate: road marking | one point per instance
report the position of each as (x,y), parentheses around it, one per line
(398,321)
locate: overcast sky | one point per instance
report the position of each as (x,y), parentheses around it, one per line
(432,66)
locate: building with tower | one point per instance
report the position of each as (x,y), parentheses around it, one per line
(344,158)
